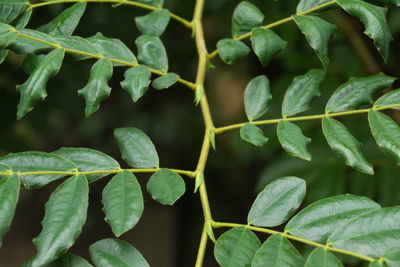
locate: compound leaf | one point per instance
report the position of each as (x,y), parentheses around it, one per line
(136,148)
(245,17)
(277,202)
(318,32)
(112,48)
(87,160)
(34,89)
(292,140)
(252,134)
(64,218)
(374,20)
(123,202)
(25,42)
(256,97)
(277,251)
(319,219)
(78,44)
(236,247)
(38,162)
(9,194)
(266,44)
(166,186)
(151,52)
(357,92)
(97,89)
(231,50)
(321,257)
(7,35)
(153,23)
(303,89)
(136,82)
(372,234)
(66,22)
(389,99)
(345,145)
(165,81)
(386,133)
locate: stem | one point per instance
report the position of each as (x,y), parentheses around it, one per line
(189,174)
(202,248)
(98,56)
(277,23)
(185,22)
(296,238)
(303,118)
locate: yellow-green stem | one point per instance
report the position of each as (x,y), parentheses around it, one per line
(185,22)
(296,238)
(302,118)
(277,23)
(202,248)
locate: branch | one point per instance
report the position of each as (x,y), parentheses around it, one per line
(98,56)
(296,238)
(189,174)
(302,118)
(277,23)
(185,22)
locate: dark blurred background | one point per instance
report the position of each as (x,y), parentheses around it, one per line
(236,171)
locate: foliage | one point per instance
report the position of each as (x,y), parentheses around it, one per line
(343,224)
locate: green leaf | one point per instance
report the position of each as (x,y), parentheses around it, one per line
(231,50)
(321,257)
(97,89)
(123,202)
(252,134)
(389,99)
(165,81)
(277,251)
(345,145)
(25,45)
(386,133)
(38,162)
(166,186)
(372,234)
(156,3)
(292,140)
(374,20)
(151,52)
(78,44)
(376,264)
(10,9)
(21,22)
(87,160)
(31,62)
(236,247)
(116,253)
(303,89)
(66,22)
(64,218)
(3,55)
(136,82)
(112,48)
(136,148)
(392,258)
(34,89)
(318,220)
(304,5)
(318,32)
(245,17)
(266,44)
(277,202)
(9,194)
(5,168)
(7,35)
(256,97)
(153,23)
(69,260)
(357,92)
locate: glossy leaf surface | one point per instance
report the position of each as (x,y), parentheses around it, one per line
(252,134)
(166,186)
(320,257)
(389,99)
(165,81)
(245,17)
(151,52)
(266,44)
(153,23)
(292,140)
(277,202)
(136,82)
(9,194)
(256,97)
(69,260)
(231,50)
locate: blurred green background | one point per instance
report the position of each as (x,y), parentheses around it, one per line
(236,171)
